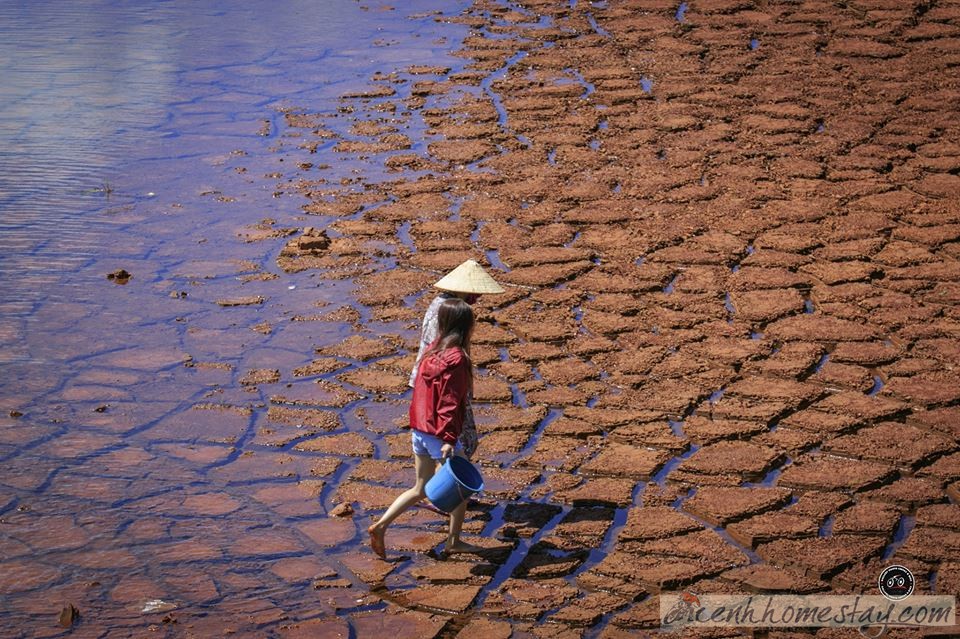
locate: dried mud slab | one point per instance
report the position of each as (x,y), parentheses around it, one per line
(857,405)
(252,300)
(721,505)
(447,598)
(771,527)
(588,610)
(350,444)
(822,423)
(376,381)
(556,453)
(826,472)
(461,151)
(909,492)
(819,505)
(508,484)
(930,544)
(603,491)
(946,468)
(899,444)
(821,328)
(563,372)
(526,519)
(791,360)
(320,366)
(566,427)
(730,457)
(867,518)
(657,436)
(844,376)
(388,287)
(527,599)
(543,562)
(764,578)
(766,306)
(359,348)
(620,460)
(509,418)
(927,390)
(819,557)
(314,418)
(704,545)
(656,522)
(656,573)
(383,472)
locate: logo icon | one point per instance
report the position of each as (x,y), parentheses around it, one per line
(896,582)
(683,611)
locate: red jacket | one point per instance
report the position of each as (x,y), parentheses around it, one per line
(440,394)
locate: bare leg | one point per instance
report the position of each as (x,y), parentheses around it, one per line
(425,468)
(456,525)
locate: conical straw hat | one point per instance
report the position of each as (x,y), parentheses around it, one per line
(469,277)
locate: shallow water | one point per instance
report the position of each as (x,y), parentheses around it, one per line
(144,137)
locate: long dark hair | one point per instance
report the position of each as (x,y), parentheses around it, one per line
(455,323)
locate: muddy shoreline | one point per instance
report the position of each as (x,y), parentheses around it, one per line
(730,240)
(725,361)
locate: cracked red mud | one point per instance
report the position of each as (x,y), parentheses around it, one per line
(731,326)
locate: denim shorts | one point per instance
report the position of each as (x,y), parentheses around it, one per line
(426,444)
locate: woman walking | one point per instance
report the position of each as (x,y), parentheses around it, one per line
(440,394)
(468,282)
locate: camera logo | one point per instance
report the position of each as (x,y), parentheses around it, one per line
(896,582)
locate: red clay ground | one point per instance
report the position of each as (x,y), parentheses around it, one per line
(730,244)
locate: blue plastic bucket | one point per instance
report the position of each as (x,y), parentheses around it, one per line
(453,483)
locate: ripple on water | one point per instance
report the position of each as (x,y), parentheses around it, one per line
(105,104)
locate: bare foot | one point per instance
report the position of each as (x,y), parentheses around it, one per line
(376,541)
(460,547)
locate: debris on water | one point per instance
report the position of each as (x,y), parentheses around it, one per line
(120,276)
(242,301)
(312,240)
(151,606)
(69,615)
(342,510)
(291,287)
(302,252)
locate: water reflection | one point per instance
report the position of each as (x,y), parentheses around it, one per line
(129,138)
(96,95)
